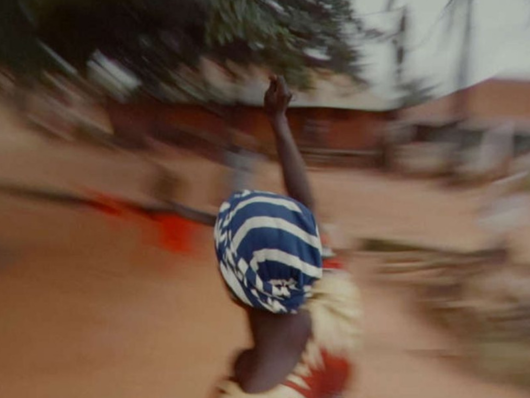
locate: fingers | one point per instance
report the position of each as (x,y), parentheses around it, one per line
(278,90)
(271,91)
(273,82)
(283,88)
(278,83)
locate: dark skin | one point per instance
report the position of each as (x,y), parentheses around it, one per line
(279,340)
(277,99)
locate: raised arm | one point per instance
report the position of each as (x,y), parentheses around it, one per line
(277,99)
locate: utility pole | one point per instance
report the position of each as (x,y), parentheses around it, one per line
(461,102)
(398,41)
(387,144)
(461,97)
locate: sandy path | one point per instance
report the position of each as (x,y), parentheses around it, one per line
(91,309)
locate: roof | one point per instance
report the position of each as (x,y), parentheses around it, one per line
(330,91)
(493,99)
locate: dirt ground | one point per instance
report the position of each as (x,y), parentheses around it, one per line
(92,308)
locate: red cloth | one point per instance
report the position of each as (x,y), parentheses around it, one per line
(329,381)
(176,234)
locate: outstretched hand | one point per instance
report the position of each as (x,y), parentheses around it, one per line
(277,97)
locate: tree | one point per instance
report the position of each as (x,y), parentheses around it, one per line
(462,9)
(153,38)
(416,91)
(288,37)
(21,53)
(163,41)
(399,40)
(20,50)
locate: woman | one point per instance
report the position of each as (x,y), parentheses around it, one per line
(303,316)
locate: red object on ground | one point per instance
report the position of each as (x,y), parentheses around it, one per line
(177,234)
(109,205)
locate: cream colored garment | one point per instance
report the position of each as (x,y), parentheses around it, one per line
(335,310)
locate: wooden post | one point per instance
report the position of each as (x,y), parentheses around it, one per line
(461,103)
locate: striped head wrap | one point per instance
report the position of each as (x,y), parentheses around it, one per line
(269,250)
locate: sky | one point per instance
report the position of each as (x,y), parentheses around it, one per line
(501,37)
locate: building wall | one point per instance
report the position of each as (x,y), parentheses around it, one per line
(345,129)
(342,129)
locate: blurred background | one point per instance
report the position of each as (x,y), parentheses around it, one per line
(125,123)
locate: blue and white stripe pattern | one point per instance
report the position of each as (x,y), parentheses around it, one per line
(269,250)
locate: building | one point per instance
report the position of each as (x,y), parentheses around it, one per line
(496,133)
(492,101)
(338,114)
